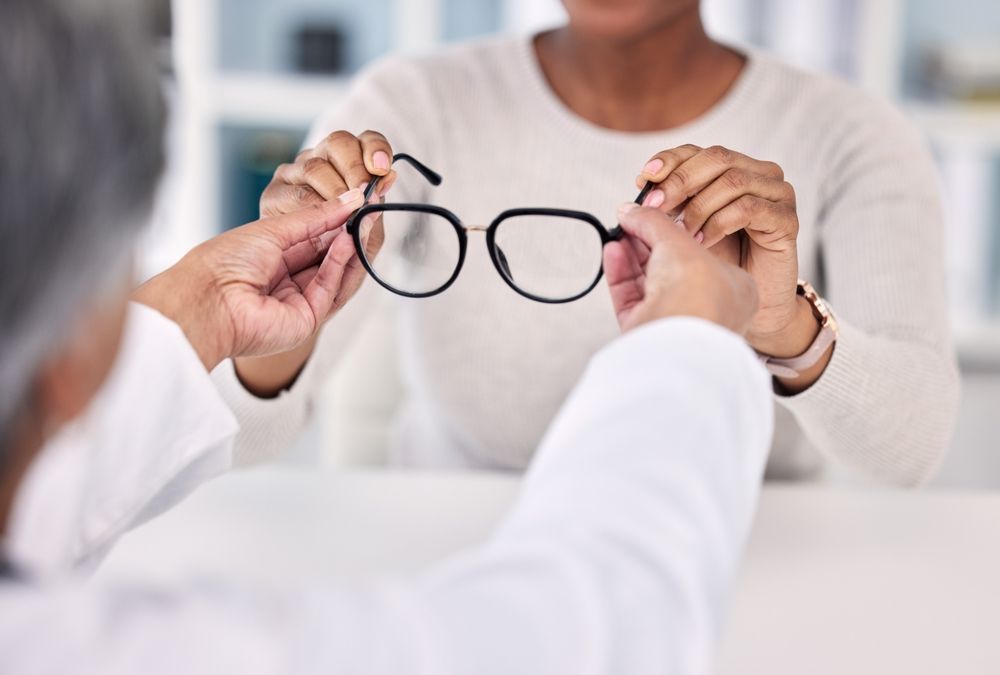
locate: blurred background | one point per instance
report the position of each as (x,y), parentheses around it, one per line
(246,78)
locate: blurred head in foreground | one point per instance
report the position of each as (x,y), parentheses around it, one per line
(81,152)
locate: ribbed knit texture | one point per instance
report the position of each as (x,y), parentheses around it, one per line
(485,370)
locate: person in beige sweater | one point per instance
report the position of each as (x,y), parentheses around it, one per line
(755,158)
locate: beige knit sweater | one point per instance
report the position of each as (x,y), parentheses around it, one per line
(485,370)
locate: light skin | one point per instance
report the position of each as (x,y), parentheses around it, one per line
(317,175)
(631,66)
(657,270)
(259,289)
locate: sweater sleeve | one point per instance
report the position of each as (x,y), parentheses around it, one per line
(390,98)
(886,404)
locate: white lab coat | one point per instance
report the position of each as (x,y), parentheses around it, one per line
(617,558)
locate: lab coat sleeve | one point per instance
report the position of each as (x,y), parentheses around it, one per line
(157,429)
(618,557)
(621,552)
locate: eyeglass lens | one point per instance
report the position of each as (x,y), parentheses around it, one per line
(420,254)
(550,257)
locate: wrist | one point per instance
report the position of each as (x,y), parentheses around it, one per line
(184,297)
(794,338)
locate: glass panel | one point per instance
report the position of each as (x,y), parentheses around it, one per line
(313,36)
(248,158)
(420,253)
(550,257)
(464,19)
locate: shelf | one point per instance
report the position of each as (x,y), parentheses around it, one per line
(957,123)
(275,100)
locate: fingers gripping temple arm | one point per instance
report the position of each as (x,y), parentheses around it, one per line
(433,177)
(616,232)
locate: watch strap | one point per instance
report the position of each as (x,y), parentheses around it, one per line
(792,367)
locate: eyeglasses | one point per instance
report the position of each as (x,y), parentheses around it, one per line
(547,255)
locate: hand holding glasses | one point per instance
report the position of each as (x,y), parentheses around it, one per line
(547,255)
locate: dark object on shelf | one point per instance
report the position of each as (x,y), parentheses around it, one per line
(969,72)
(322,49)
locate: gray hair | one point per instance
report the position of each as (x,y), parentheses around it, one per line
(81,151)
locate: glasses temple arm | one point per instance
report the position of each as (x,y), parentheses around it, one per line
(432,177)
(616,232)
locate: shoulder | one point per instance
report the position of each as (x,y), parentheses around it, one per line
(828,107)
(849,133)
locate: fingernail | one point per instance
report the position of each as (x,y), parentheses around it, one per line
(351,196)
(625,208)
(654,199)
(381,160)
(679,220)
(652,166)
(700,237)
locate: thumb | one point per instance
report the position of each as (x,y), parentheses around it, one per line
(652,226)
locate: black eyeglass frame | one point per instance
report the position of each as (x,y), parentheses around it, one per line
(461,230)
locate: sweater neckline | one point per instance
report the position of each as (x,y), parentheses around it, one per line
(555,107)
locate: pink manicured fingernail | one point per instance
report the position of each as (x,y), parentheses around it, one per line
(654,199)
(351,196)
(625,208)
(652,166)
(700,237)
(381,161)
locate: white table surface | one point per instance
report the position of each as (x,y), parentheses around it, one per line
(834,581)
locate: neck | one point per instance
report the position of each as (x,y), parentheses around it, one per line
(663,78)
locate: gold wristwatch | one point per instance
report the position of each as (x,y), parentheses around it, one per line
(793,367)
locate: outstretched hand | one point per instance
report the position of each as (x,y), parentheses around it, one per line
(657,270)
(262,288)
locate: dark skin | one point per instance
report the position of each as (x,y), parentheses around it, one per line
(631,66)
(652,68)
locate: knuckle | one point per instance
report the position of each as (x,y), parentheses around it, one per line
(373,135)
(677,180)
(721,154)
(282,173)
(736,179)
(696,209)
(315,165)
(774,170)
(715,223)
(317,245)
(355,164)
(788,192)
(748,206)
(339,137)
(679,155)
(303,194)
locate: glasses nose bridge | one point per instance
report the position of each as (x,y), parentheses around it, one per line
(476,228)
